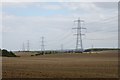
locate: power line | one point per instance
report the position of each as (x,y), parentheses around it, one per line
(102,39)
(63,37)
(79,45)
(105,20)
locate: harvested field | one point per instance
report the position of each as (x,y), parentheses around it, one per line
(95,65)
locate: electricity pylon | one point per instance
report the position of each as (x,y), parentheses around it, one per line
(42,45)
(79,44)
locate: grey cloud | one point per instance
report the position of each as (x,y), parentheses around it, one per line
(107,5)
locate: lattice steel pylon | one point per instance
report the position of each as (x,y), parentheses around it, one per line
(79,44)
(28,45)
(42,44)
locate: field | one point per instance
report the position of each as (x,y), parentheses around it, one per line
(86,65)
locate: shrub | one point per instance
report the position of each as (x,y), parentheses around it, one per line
(8,54)
(32,55)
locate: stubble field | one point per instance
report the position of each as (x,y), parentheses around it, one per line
(94,65)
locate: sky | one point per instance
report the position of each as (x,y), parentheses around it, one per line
(22,21)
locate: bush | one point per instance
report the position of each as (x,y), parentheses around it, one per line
(32,55)
(8,54)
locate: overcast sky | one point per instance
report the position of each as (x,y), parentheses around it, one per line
(55,20)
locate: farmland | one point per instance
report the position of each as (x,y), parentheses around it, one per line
(102,64)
